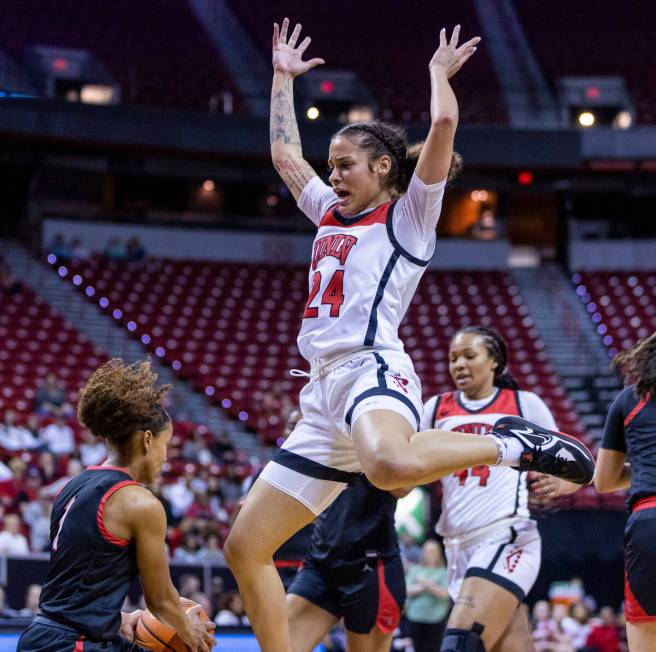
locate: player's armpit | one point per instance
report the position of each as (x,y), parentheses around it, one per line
(296,172)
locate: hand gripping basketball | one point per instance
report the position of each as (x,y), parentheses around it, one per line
(155,635)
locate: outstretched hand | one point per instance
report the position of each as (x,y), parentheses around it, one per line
(449,56)
(546,488)
(287,57)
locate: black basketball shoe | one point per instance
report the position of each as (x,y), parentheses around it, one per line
(547,451)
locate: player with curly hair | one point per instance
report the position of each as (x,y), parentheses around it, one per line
(107,528)
(627,459)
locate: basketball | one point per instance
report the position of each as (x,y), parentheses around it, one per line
(155,635)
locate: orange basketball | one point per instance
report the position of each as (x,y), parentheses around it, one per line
(154,635)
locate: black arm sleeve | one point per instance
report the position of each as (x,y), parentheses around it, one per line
(614,431)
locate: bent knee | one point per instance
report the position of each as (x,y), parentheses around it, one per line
(382,473)
(240,549)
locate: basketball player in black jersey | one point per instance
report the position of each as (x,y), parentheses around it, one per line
(353,571)
(627,459)
(107,528)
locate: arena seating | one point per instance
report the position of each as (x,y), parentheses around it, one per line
(395,73)
(621,304)
(575,39)
(159,53)
(35,341)
(231,328)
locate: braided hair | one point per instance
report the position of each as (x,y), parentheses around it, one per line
(383,139)
(496,347)
(638,364)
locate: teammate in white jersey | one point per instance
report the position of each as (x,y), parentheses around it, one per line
(493,547)
(361,407)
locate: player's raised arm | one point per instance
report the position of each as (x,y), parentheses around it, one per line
(286,151)
(435,159)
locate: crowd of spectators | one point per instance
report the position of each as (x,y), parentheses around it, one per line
(131,251)
(561,627)
(42,450)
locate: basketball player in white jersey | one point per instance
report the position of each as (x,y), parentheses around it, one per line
(493,547)
(361,407)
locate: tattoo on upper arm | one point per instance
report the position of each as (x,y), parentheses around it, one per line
(296,173)
(466,601)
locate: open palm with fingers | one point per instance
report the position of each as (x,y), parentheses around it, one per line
(449,56)
(287,57)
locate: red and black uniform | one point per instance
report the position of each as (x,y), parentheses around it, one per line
(631,429)
(90,570)
(353,569)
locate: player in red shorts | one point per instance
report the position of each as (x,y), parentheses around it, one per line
(627,458)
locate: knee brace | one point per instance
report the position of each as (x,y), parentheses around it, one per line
(463,640)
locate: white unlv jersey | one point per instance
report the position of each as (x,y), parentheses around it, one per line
(478,497)
(362,278)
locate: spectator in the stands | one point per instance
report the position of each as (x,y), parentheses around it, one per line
(604,636)
(211,550)
(8,282)
(222,445)
(195,450)
(189,584)
(547,635)
(36,514)
(427,606)
(231,611)
(410,549)
(47,467)
(31,486)
(135,251)
(188,551)
(73,468)
(50,398)
(231,485)
(274,407)
(180,496)
(203,507)
(57,437)
(115,250)
(13,436)
(79,251)
(576,625)
(5,473)
(12,491)
(5,610)
(60,247)
(12,540)
(92,449)
(33,424)
(32,596)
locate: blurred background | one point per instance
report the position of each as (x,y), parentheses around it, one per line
(141,216)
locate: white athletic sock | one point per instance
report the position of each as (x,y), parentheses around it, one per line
(510,450)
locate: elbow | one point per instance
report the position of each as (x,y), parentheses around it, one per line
(602,485)
(445,121)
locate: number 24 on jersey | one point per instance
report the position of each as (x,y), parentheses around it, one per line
(332,296)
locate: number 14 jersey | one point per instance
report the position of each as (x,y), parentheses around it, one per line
(475,498)
(365,268)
